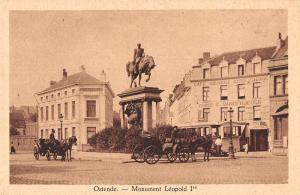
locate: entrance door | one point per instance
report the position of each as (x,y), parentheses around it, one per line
(259,140)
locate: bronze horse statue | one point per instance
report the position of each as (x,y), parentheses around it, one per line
(205,142)
(145,66)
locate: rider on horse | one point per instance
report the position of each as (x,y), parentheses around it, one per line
(137,57)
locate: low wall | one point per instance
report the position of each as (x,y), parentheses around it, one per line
(23,142)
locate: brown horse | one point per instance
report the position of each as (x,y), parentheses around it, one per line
(145,66)
(205,142)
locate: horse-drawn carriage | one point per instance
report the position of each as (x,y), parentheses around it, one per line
(151,150)
(44,147)
(54,148)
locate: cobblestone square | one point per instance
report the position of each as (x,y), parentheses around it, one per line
(115,168)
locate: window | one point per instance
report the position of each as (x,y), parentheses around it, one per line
(205,114)
(46,133)
(58,133)
(285,84)
(42,134)
(46,113)
(42,113)
(224,71)
(66,133)
(256,113)
(241,71)
(73,131)
(52,96)
(224,111)
(205,73)
(90,132)
(205,93)
(73,109)
(224,90)
(91,108)
(58,110)
(278,85)
(241,111)
(58,94)
(241,91)
(236,131)
(41,99)
(256,68)
(46,97)
(66,110)
(52,112)
(256,87)
(73,91)
(66,92)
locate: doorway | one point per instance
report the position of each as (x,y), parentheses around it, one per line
(259,140)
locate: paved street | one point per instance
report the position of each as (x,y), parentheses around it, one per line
(116,168)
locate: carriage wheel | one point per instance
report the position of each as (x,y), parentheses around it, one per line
(48,155)
(36,153)
(151,155)
(171,156)
(138,154)
(184,155)
(55,155)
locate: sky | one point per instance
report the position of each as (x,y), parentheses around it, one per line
(42,43)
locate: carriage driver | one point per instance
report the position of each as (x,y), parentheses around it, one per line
(52,138)
(174,133)
(137,57)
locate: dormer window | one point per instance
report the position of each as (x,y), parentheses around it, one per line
(256,68)
(58,94)
(241,70)
(66,92)
(224,71)
(205,73)
(41,99)
(46,97)
(52,95)
(73,91)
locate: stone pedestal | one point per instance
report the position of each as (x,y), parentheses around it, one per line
(145,97)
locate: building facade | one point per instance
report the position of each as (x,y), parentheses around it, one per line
(239,80)
(279,99)
(85,103)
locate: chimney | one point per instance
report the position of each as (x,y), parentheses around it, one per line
(65,74)
(280,42)
(200,61)
(206,56)
(103,76)
(52,83)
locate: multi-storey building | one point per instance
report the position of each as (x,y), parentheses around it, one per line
(279,98)
(237,80)
(85,103)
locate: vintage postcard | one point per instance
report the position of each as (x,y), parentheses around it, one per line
(131,99)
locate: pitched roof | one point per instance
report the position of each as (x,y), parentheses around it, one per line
(232,57)
(78,78)
(283,51)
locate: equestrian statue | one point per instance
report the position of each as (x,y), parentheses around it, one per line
(141,64)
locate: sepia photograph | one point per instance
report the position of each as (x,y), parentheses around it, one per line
(128,97)
(149,99)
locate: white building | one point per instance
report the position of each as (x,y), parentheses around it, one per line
(85,102)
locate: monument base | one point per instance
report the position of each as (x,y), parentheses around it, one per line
(137,104)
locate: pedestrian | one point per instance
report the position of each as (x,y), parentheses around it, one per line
(218,144)
(246,147)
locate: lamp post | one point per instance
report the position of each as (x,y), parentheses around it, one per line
(61,117)
(231,153)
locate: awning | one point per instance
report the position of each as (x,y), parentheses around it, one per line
(282,112)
